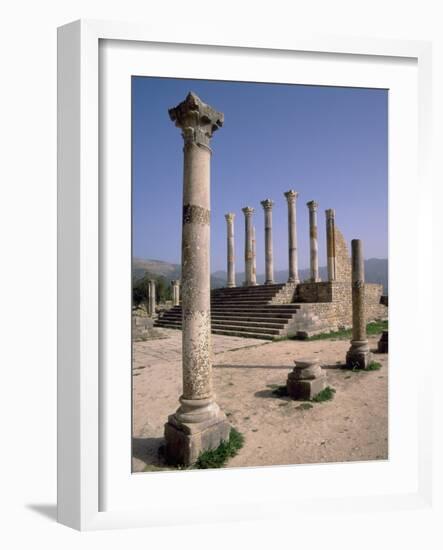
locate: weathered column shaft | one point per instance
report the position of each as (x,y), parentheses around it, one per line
(330,243)
(358,355)
(196,296)
(152,297)
(291,197)
(269,261)
(313,241)
(358,292)
(198,424)
(230,282)
(249,253)
(175,292)
(254,257)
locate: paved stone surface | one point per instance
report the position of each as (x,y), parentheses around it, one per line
(169,349)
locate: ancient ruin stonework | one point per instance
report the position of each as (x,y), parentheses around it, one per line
(313,241)
(198,424)
(343,270)
(358,355)
(249,246)
(306,380)
(291,198)
(269,261)
(230,217)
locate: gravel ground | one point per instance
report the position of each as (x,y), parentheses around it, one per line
(352,426)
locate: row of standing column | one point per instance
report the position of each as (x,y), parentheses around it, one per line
(152,299)
(250,255)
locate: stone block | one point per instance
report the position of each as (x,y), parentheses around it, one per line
(185,442)
(306,380)
(305,389)
(359,355)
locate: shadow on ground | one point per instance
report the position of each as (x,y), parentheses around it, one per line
(275,367)
(148,450)
(48,511)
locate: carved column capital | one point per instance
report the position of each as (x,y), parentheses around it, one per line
(291,195)
(312,205)
(230,217)
(330,214)
(197,120)
(267,204)
(248,211)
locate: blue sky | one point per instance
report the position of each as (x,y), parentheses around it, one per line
(327,143)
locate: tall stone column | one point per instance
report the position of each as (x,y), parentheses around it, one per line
(230,283)
(254,257)
(152,297)
(269,262)
(313,240)
(358,355)
(198,424)
(291,197)
(330,243)
(249,253)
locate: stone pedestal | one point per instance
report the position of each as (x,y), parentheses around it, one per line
(383,343)
(358,356)
(249,248)
(306,380)
(291,197)
(198,424)
(194,428)
(313,241)
(269,262)
(230,283)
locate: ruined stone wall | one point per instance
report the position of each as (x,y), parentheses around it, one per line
(314,292)
(335,314)
(286,295)
(343,269)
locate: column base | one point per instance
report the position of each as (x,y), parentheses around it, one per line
(187,437)
(271,282)
(231,285)
(293,280)
(359,355)
(306,380)
(315,280)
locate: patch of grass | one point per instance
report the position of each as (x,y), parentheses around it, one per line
(374,366)
(376,327)
(219,456)
(325,395)
(372,329)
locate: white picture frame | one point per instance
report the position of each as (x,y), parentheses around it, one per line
(81,414)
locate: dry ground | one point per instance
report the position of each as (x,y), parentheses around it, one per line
(353,426)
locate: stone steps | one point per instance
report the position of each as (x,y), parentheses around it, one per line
(242,311)
(227,332)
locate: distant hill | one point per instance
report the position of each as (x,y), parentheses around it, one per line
(140,267)
(376,271)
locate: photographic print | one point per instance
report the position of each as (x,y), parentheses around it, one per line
(259,274)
